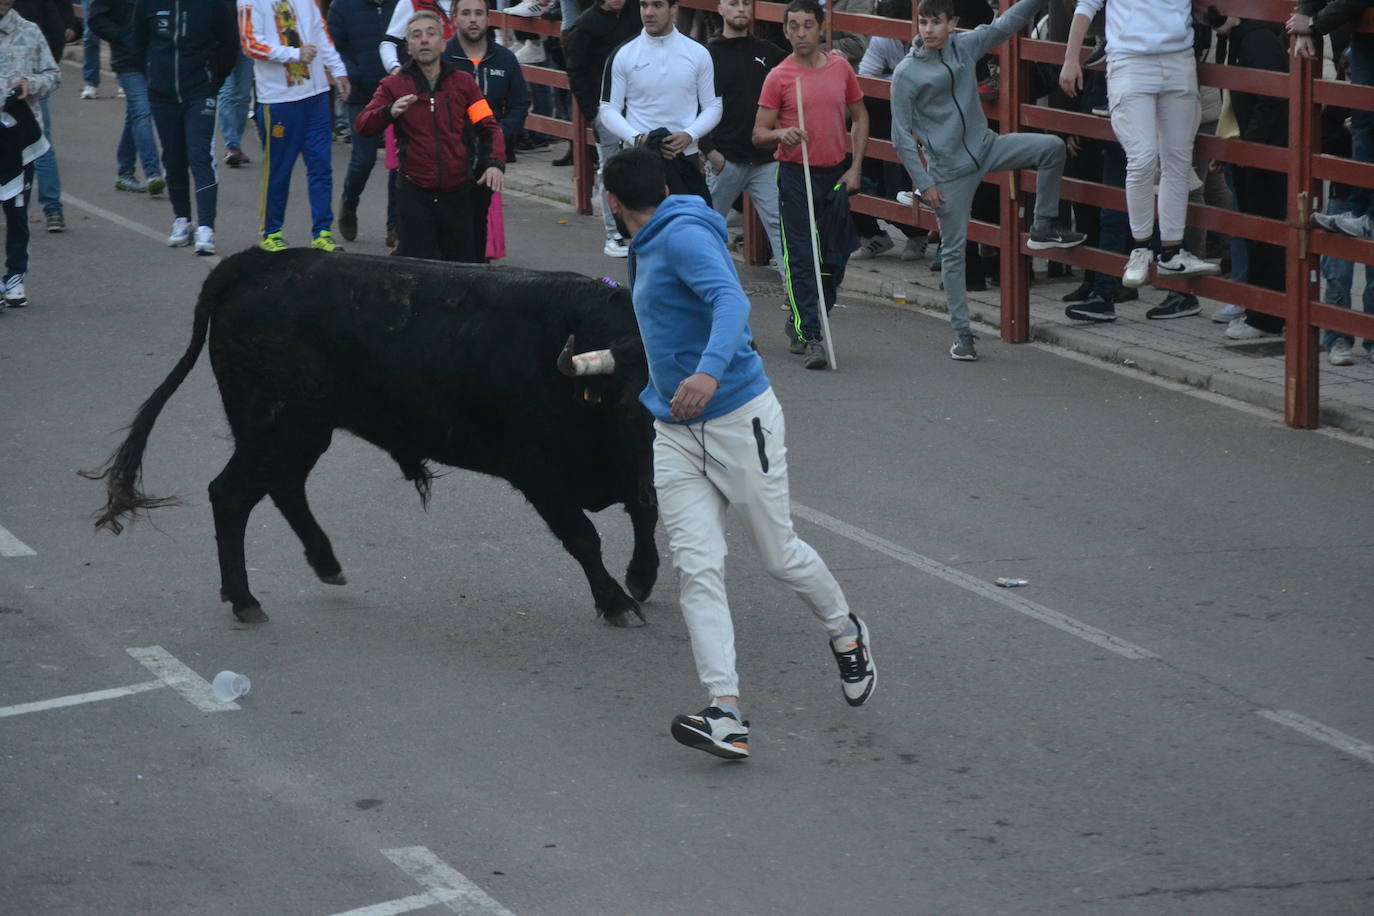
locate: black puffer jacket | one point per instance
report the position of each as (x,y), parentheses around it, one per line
(590,41)
(112,21)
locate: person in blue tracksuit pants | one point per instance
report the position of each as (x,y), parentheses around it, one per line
(189,47)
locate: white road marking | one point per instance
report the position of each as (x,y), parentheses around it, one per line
(76,699)
(977,586)
(404,904)
(437,875)
(1323,733)
(11,546)
(126,223)
(183,680)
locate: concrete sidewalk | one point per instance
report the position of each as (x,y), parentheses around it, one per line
(1194,351)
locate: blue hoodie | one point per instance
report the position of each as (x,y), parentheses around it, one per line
(693,315)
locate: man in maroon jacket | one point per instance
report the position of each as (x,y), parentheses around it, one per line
(445,135)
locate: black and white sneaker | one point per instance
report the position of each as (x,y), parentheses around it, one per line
(714,731)
(1175,305)
(858,673)
(1093,308)
(1054,237)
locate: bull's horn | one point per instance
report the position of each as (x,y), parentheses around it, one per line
(594,362)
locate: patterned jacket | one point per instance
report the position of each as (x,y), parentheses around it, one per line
(24,54)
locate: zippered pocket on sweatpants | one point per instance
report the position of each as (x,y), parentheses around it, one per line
(763,449)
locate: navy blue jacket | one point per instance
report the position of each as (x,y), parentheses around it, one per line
(502,82)
(357,27)
(188,46)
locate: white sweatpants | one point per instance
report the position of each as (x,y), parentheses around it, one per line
(1155,114)
(739,460)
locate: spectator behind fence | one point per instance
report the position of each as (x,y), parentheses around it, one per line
(27,73)
(705,372)
(56,21)
(431,104)
(600,29)
(660,92)
(736,165)
(357,28)
(112,20)
(502,83)
(935,97)
(395,37)
(888,178)
(1340,274)
(1152,92)
(827,86)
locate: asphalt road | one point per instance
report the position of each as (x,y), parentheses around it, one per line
(1174,716)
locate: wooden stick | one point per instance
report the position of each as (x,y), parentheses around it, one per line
(815,237)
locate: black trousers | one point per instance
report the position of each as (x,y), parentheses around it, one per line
(437,225)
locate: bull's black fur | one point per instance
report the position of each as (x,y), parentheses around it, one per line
(430,361)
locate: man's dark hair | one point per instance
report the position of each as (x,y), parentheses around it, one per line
(805,6)
(933,8)
(636,177)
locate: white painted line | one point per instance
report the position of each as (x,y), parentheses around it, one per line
(435,874)
(126,223)
(1324,733)
(183,680)
(404,904)
(977,586)
(11,546)
(76,699)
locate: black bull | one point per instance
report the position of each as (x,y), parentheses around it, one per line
(430,362)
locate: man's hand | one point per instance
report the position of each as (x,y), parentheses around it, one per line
(493,178)
(673,144)
(340,84)
(852,180)
(1304,46)
(692,395)
(1071,78)
(1299,24)
(933,197)
(308,53)
(21,88)
(717,161)
(792,136)
(399,106)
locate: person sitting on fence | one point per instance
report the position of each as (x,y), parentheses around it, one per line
(1152,92)
(935,97)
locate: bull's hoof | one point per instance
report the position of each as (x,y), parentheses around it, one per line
(638,592)
(628,619)
(335,579)
(251,614)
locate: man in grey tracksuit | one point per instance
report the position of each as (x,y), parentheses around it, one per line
(935,97)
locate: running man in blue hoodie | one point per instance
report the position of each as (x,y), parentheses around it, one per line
(719,441)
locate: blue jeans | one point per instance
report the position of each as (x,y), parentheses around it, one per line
(234,97)
(1362,122)
(137,141)
(90,50)
(1240,248)
(187,130)
(1113,228)
(360,165)
(570,12)
(45,168)
(1340,276)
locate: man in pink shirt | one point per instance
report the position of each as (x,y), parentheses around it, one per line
(830,92)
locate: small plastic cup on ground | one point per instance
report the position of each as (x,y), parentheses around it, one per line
(229,686)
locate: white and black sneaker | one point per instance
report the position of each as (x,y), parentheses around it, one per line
(858,673)
(714,731)
(1184,263)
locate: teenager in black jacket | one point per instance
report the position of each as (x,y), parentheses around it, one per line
(112,20)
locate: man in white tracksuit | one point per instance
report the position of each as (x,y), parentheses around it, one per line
(1152,92)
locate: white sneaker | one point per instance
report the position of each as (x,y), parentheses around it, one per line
(120,93)
(1187,264)
(531,52)
(1227,314)
(1240,330)
(532,8)
(1137,270)
(616,248)
(88,92)
(14,292)
(205,240)
(1340,353)
(872,246)
(181,233)
(915,249)
(858,673)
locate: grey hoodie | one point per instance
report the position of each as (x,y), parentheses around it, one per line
(935,96)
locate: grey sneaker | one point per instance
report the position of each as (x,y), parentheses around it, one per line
(1344,223)
(131,184)
(714,731)
(1054,237)
(156,185)
(56,222)
(915,249)
(962,348)
(815,355)
(1340,353)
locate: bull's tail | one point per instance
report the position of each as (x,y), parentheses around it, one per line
(123,471)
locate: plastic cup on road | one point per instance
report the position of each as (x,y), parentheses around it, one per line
(229,686)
